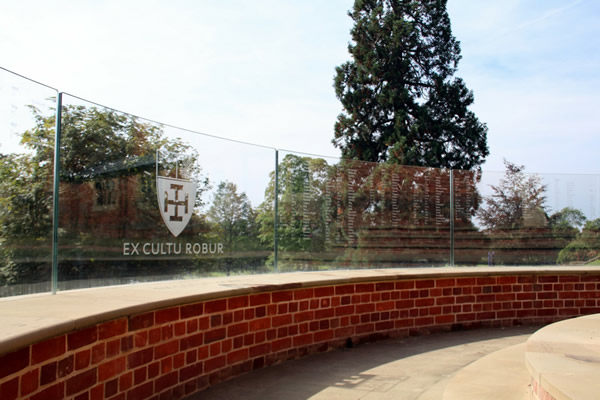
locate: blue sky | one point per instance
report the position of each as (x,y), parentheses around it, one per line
(535,69)
(262,71)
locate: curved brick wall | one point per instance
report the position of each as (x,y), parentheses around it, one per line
(169,353)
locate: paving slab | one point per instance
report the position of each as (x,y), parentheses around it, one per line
(501,375)
(414,368)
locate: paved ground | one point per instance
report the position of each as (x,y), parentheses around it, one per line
(411,368)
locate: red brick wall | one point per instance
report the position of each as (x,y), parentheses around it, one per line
(170,353)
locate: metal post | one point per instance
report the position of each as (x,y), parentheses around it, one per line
(57,136)
(451,218)
(276,219)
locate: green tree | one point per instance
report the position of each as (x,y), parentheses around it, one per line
(568,218)
(302,223)
(101,142)
(106,148)
(99,147)
(233,214)
(585,247)
(235,225)
(401,100)
(518,201)
(517,225)
(25,219)
(24,197)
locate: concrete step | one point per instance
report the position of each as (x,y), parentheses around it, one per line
(564,359)
(501,375)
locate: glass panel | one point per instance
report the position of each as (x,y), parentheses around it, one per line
(518,218)
(353,214)
(573,209)
(26,173)
(142,201)
(470,243)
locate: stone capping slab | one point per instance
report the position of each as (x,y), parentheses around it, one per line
(563,360)
(498,375)
(26,320)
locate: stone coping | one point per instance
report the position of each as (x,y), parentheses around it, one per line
(26,320)
(563,359)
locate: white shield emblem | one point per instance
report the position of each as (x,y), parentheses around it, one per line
(176,198)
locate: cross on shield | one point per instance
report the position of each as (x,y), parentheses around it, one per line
(176,198)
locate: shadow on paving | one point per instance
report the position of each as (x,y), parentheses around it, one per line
(409,368)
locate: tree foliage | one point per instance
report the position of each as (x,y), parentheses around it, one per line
(517,201)
(233,214)
(585,247)
(98,146)
(401,100)
(568,219)
(301,199)
(25,199)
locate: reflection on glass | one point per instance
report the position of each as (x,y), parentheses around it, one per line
(142,201)
(353,214)
(26,173)
(528,219)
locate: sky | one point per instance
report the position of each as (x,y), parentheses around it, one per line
(262,71)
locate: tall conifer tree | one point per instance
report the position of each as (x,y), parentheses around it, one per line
(401,101)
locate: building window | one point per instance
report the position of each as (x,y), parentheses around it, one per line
(106,193)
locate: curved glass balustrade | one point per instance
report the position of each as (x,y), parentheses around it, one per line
(140,201)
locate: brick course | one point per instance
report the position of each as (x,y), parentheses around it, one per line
(179,350)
